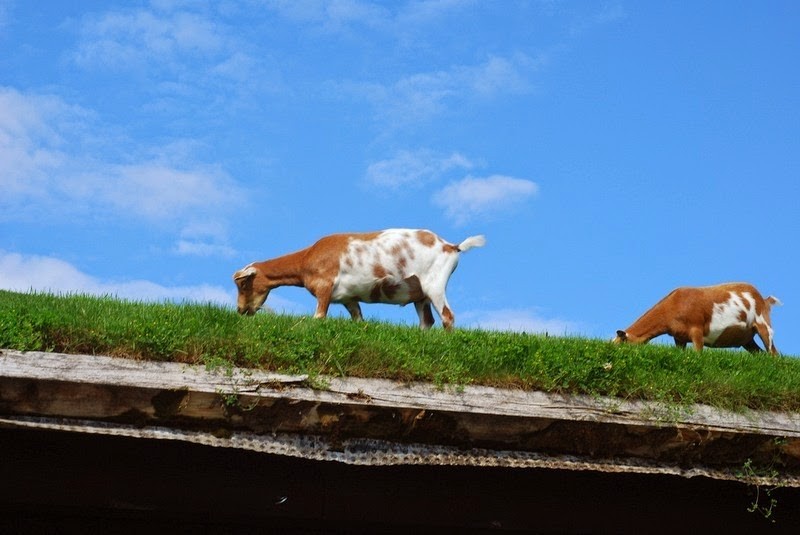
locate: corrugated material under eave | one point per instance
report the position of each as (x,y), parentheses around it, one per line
(370,452)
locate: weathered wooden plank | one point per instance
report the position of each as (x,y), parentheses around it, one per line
(90,369)
(191,399)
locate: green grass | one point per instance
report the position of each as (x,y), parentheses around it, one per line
(216,336)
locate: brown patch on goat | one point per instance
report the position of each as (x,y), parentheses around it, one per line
(360,250)
(378,271)
(426,238)
(427,315)
(389,288)
(375,293)
(408,249)
(414,286)
(450,248)
(401,265)
(447,318)
(761,304)
(383,289)
(734,337)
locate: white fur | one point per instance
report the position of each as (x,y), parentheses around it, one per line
(398,255)
(726,315)
(472,241)
(245,272)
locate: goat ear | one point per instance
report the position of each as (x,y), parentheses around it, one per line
(622,335)
(245,273)
(772,300)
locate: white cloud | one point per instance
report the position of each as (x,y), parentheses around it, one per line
(476,197)
(122,39)
(333,15)
(41,174)
(421,96)
(22,273)
(520,320)
(159,192)
(184,49)
(201,248)
(421,11)
(31,148)
(207,238)
(339,16)
(608,12)
(5,13)
(501,75)
(413,168)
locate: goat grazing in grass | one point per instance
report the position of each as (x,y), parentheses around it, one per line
(725,315)
(397,266)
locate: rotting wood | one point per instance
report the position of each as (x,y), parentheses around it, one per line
(370,421)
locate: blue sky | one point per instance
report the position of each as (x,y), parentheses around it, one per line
(609,151)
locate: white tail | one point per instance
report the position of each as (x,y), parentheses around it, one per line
(472,241)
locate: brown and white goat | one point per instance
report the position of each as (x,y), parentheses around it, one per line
(397,266)
(725,315)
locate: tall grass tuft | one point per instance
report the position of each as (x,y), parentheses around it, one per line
(216,336)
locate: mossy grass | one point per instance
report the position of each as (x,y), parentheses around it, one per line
(216,336)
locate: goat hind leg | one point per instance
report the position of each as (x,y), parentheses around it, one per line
(765,333)
(354,309)
(425,314)
(443,308)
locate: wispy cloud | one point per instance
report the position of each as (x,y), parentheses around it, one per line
(424,11)
(31,146)
(183,49)
(501,75)
(527,320)
(480,197)
(207,238)
(156,192)
(333,16)
(23,273)
(413,169)
(43,171)
(5,9)
(605,13)
(422,96)
(123,39)
(341,16)
(462,200)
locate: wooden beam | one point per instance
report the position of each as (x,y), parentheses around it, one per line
(370,421)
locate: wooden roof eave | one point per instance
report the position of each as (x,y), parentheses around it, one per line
(381,422)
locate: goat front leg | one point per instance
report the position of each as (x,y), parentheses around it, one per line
(765,333)
(323,301)
(696,335)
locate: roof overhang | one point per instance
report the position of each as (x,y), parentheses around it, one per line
(380,422)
